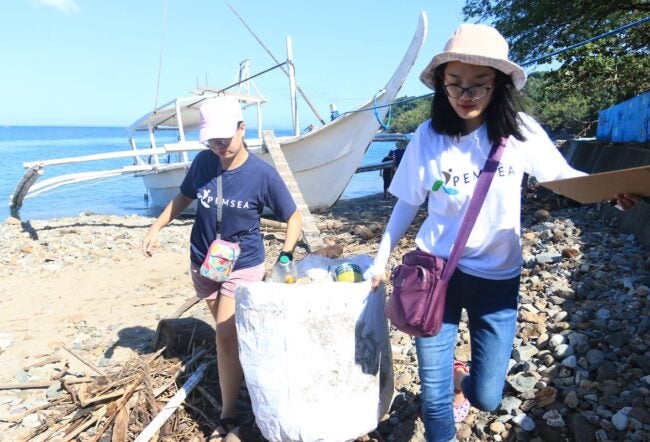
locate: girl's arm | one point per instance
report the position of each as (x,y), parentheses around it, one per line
(400,220)
(293,232)
(173,209)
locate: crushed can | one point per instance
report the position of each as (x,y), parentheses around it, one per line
(348,272)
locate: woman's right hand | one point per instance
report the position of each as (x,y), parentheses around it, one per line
(171,211)
(149,241)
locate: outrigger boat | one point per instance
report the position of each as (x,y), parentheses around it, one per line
(322,160)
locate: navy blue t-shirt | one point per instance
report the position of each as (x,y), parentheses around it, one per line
(246,191)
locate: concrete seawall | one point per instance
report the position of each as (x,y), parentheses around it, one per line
(597,156)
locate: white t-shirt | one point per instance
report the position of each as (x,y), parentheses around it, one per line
(445,169)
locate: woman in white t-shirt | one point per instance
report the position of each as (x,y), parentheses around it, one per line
(475,105)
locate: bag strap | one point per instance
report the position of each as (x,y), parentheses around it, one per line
(220,205)
(219,199)
(484,181)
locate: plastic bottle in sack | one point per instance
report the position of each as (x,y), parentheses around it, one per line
(285,271)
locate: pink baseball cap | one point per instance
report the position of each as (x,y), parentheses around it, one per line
(219,118)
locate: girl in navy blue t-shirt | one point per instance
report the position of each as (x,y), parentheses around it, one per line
(249,185)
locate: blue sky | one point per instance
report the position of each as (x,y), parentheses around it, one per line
(92,62)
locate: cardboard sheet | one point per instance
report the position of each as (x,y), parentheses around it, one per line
(603,186)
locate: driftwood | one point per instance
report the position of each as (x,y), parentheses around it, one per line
(184,307)
(116,407)
(208,397)
(50,360)
(271,224)
(333,251)
(172,405)
(95,416)
(121,426)
(46,435)
(146,393)
(43,384)
(72,391)
(85,401)
(82,360)
(21,416)
(122,402)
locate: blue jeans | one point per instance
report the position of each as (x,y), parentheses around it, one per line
(492,313)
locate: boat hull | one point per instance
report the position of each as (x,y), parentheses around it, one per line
(164,186)
(322,161)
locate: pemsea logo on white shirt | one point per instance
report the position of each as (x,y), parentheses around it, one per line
(439,184)
(465,178)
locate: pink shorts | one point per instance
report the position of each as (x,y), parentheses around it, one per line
(209,289)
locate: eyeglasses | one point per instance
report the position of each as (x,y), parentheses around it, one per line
(216,142)
(474,92)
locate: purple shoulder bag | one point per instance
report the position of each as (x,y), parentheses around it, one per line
(417,304)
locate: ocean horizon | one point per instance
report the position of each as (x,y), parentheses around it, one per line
(123,195)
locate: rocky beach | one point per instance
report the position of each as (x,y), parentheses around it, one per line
(77,297)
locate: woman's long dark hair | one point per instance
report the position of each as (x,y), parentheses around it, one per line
(501,115)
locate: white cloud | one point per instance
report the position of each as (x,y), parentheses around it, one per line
(67,6)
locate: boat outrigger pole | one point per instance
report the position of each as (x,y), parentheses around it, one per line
(268,51)
(292,88)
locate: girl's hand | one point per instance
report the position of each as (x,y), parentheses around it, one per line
(376,280)
(149,241)
(625,201)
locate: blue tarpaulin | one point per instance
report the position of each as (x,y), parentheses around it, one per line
(626,122)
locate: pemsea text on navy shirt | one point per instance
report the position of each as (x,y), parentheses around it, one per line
(247,190)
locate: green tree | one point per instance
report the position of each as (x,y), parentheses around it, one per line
(407,116)
(569,99)
(538,27)
(591,77)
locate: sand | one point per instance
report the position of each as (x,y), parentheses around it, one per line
(84,283)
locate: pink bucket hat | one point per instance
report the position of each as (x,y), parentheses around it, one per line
(476,44)
(219,117)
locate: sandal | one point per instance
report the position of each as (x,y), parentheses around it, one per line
(225,426)
(461,409)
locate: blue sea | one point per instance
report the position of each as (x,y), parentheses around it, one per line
(124,195)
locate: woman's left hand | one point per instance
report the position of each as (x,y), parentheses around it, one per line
(625,201)
(376,280)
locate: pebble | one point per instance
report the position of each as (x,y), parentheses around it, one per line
(497,427)
(5,341)
(510,405)
(524,422)
(586,308)
(620,421)
(570,362)
(545,396)
(580,366)
(595,357)
(54,391)
(33,420)
(542,215)
(522,382)
(556,340)
(524,352)
(571,400)
(554,419)
(563,351)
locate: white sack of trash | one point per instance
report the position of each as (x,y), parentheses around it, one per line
(316,357)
